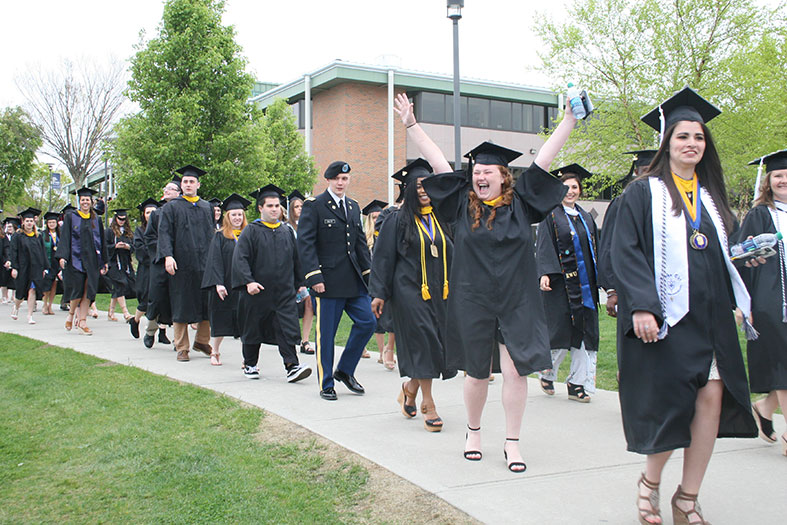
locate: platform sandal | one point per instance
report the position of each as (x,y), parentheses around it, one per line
(434,424)
(577,393)
(653,500)
(409,411)
(680,516)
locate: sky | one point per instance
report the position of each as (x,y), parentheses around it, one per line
(284,40)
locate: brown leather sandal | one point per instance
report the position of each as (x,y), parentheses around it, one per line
(680,516)
(652,499)
(409,411)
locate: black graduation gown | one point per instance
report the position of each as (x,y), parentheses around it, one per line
(85,258)
(223,314)
(50,251)
(606,277)
(562,332)
(159,307)
(5,255)
(396,278)
(659,381)
(493,278)
(184,232)
(385,322)
(120,275)
(28,258)
(767,355)
(268,256)
(143,268)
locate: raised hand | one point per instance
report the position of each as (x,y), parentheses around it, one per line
(404,108)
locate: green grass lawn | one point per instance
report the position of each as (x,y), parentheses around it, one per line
(87,441)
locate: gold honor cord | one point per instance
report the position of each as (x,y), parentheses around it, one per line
(421,233)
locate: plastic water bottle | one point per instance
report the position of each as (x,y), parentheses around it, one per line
(575,101)
(301,296)
(749,246)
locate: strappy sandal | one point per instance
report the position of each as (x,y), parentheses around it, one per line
(472,455)
(365,354)
(215,359)
(306,348)
(548,387)
(653,500)
(409,411)
(126,315)
(680,516)
(764,425)
(517,467)
(434,424)
(15,312)
(577,393)
(111,316)
(94,313)
(389,364)
(69,322)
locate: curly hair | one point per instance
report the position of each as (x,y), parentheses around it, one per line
(116,228)
(477,211)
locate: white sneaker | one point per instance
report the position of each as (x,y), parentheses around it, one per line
(252,372)
(298,372)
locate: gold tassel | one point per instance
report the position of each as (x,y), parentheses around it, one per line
(445,290)
(425,295)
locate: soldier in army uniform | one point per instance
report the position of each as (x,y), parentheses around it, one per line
(336,263)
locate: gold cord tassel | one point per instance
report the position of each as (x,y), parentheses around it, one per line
(425,295)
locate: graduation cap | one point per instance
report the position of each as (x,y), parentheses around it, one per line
(121,213)
(771,162)
(642,157)
(295,194)
(335,168)
(67,208)
(572,168)
(269,190)
(13,220)
(84,192)
(413,171)
(29,213)
(235,202)
(216,203)
(51,216)
(190,171)
(148,203)
(686,104)
(375,205)
(491,153)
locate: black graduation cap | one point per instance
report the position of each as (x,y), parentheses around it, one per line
(51,216)
(335,168)
(121,212)
(147,203)
(191,171)
(413,171)
(295,194)
(772,161)
(491,153)
(13,220)
(84,192)
(642,157)
(269,190)
(176,180)
(572,168)
(686,104)
(235,202)
(216,203)
(29,213)
(67,208)
(375,205)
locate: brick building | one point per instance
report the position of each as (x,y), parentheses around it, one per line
(350,111)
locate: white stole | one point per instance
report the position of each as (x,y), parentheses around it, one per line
(670,254)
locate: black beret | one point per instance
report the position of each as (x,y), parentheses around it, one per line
(336,168)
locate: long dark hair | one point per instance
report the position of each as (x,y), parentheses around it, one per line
(709,173)
(57,226)
(411,206)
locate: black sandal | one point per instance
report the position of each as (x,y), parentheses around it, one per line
(513,464)
(409,411)
(306,348)
(577,393)
(472,455)
(548,387)
(764,425)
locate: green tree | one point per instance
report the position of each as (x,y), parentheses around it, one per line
(632,54)
(36,192)
(192,90)
(286,163)
(19,141)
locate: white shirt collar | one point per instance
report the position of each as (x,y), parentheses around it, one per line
(335,197)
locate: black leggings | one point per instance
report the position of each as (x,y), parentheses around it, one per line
(251,351)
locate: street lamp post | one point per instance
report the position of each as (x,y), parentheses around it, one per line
(455,13)
(50,185)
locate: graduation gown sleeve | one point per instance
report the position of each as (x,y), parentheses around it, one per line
(632,243)
(540,192)
(448,192)
(214,267)
(381,281)
(547,262)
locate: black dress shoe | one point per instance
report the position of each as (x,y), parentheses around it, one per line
(349,381)
(133,326)
(162,336)
(147,340)
(328,394)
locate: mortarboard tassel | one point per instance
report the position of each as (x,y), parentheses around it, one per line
(662,124)
(749,331)
(759,178)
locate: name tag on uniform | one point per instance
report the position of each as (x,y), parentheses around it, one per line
(329,221)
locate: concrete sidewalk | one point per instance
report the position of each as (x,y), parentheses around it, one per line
(578,467)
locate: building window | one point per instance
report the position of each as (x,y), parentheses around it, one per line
(438,108)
